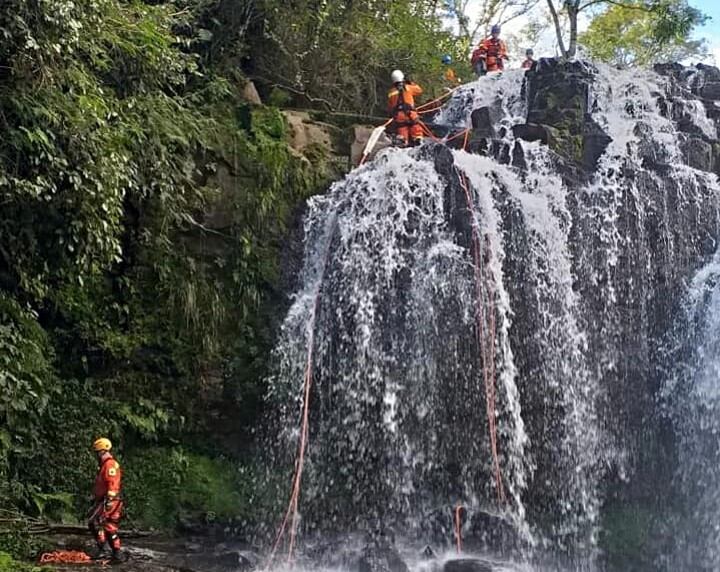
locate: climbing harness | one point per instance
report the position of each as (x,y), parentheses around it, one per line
(429,107)
(69,557)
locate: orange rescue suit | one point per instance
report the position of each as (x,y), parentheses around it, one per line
(493,51)
(107,512)
(401,105)
(108,480)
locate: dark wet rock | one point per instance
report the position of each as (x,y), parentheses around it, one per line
(428,553)
(483,123)
(669,69)
(532,132)
(381,559)
(595,141)
(468,565)
(491,532)
(230,561)
(193,547)
(559,98)
(518,157)
(697,153)
(236,560)
(710,90)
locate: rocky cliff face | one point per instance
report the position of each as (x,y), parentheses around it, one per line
(491,328)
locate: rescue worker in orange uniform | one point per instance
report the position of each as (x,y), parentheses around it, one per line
(401,105)
(529,62)
(489,56)
(105,515)
(450,79)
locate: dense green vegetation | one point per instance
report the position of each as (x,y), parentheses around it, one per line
(626,34)
(117,300)
(144,207)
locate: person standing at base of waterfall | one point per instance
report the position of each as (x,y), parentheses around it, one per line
(491,53)
(529,62)
(401,105)
(106,512)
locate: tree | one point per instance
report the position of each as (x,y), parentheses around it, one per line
(486,13)
(339,55)
(673,18)
(626,35)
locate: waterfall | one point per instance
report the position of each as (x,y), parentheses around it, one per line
(693,397)
(494,335)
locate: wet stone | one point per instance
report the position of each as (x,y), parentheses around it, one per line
(697,153)
(531,132)
(482,123)
(468,565)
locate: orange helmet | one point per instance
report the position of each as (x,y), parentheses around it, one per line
(102,444)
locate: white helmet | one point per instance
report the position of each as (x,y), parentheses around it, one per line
(397,76)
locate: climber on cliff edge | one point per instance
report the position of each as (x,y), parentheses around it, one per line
(401,105)
(106,512)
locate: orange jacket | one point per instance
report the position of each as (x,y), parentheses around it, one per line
(108,482)
(493,51)
(450,77)
(401,102)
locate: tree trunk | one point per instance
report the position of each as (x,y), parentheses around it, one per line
(573,17)
(558,28)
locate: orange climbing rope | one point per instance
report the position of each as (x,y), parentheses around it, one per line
(68,557)
(427,131)
(291,515)
(426,107)
(458,528)
(485,318)
(456,135)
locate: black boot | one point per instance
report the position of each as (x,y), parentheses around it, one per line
(100,552)
(118,557)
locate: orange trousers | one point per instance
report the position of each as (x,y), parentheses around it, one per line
(410,132)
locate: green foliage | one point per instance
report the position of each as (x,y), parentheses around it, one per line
(120,135)
(163,485)
(339,55)
(9,564)
(58,507)
(26,376)
(17,542)
(634,34)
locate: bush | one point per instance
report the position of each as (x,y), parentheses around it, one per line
(16,542)
(163,485)
(9,564)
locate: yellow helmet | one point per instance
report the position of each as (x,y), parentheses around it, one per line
(102,444)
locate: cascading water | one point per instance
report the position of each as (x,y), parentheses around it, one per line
(488,335)
(694,396)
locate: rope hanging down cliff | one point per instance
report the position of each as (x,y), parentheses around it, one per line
(291,515)
(485,332)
